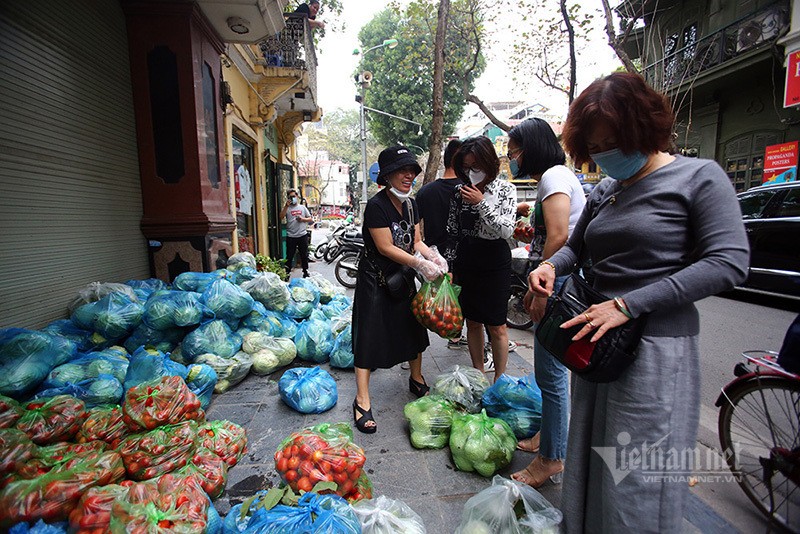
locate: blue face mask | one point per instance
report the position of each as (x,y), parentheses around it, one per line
(513,166)
(618,165)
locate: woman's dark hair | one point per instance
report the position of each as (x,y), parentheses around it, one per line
(640,117)
(450,151)
(540,147)
(485,157)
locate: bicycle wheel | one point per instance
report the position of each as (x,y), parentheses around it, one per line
(517,317)
(760,417)
(346,270)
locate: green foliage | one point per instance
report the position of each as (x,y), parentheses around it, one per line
(267,264)
(403,76)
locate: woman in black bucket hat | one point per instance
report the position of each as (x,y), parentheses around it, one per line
(385,333)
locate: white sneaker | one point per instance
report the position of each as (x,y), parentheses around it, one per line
(457,343)
(488,362)
(511,346)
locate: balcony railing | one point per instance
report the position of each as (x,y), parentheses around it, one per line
(292,48)
(755,31)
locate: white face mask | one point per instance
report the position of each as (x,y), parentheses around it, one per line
(476,177)
(399,194)
(294,201)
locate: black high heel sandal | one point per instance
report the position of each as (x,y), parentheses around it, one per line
(362,417)
(419,389)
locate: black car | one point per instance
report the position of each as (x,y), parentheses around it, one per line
(771,215)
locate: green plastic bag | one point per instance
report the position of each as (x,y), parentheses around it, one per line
(429,421)
(481,443)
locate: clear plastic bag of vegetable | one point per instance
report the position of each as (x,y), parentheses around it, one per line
(336,308)
(209,470)
(10,412)
(481,443)
(518,402)
(227,301)
(310,294)
(85,366)
(269,353)
(16,448)
(509,506)
(27,356)
(164,401)
(327,289)
(230,371)
(308,389)
(193,281)
(387,516)
(149,364)
(268,289)
(314,340)
(105,424)
(429,421)
(173,504)
(66,328)
(462,385)
(225,439)
(147,286)
(314,514)
(201,380)
(112,318)
(241,259)
(215,337)
(146,336)
(160,451)
(342,353)
(95,291)
(171,309)
(101,390)
(436,307)
(93,513)
(51,420)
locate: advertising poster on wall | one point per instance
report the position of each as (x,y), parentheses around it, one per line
(780,163)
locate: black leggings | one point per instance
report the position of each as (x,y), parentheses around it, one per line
(299,244)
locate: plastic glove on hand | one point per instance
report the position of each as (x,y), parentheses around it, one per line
(434,256)
(429,270)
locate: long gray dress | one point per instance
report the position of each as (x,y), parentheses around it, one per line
(672,238)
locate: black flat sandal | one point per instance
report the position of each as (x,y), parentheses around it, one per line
(419,389)
(362,417)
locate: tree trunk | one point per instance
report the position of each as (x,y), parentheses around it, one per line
(617,43)
(572,60)
(435,148)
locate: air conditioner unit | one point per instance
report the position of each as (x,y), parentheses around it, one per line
(757,30)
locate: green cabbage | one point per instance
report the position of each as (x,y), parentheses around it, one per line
(481,443)
(429,421)
(230,371)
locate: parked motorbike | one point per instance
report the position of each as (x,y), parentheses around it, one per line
(335,247)
(319,252)
(346,269)
(517,317)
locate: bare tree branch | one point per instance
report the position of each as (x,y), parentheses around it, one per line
(573,64)
(618,43)
(497,122)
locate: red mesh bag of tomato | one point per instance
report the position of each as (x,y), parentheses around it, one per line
(165,401)
(53,419)
(10,411)
(159,451)
(53,496)
(209,470)
(93,513)
(16,448)
(436,307)
(104,424)
(225,439)
(322,453)
(174,504)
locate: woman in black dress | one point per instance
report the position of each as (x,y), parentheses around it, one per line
(482,217)
(385,333)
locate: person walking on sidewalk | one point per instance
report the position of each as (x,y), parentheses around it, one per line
(385,332)
(297,219)
(481,218)
(662,232)
(534,150)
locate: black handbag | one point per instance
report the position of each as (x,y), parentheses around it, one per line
(601,361)
(400,282)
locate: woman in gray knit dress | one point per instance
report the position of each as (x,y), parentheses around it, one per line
(662,232)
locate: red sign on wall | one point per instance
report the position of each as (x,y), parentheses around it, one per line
(780,162)
(791,96)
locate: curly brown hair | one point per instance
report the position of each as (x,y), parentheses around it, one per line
(641,117)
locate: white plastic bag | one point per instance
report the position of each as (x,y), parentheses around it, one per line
(387,516)
(492,510)
(463,386)
(241,259)
(95,291)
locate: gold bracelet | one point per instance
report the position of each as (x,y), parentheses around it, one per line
(548,263)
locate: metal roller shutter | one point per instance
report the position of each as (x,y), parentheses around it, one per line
(70,195)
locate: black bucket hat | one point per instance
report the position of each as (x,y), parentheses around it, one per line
(394,158)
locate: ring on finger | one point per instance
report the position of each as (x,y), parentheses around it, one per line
(586,316)
(590,323)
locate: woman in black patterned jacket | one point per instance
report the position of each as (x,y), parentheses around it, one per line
(481,218)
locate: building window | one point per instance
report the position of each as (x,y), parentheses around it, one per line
(744,158)
(243,173)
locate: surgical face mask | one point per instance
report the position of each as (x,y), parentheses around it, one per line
(513,166)
(476,177)
(618,165)
(399,194)
(294,201)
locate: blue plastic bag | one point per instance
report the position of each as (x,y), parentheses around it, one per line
(145,288)
(66,328)
(233,523)
(101,390)
(171,309)
(308,389)
(201,379)
(314,514)
(342,353)
(26,358)
(214,337)
(146,366)
(518,402)
(146,336)
(244,274)
(227,301)
(40,527)
(309,286)
(314,340)
(112,317)
(87,366)
(192,281)
(335,308)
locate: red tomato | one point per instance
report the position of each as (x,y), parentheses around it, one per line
(304,484)
(281,465)
(293,462)
(290,476)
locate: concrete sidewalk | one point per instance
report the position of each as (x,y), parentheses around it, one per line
(426,480)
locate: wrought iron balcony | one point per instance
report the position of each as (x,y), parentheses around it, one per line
(755,31)
(292,48)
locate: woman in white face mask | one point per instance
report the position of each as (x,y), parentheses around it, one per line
(481,218)
(385,333)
